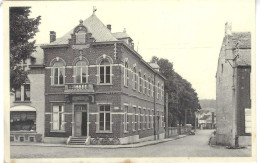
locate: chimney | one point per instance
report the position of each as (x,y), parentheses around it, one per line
(109,27)
(52,36)
(228,28)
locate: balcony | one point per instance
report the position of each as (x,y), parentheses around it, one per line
(78,88)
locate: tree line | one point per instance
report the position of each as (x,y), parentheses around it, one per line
(182,98)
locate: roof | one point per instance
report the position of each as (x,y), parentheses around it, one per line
(242,41)
(154,65)
(38,55)
(120,35)
(205,117)
(98,30)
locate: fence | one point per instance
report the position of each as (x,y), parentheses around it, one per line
(174,131)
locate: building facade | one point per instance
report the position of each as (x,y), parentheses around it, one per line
(27,102)
(233,89)
(207,118)
(97,86)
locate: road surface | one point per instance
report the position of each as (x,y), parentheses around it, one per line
(190,146)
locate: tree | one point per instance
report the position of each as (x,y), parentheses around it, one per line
(182,97)
(22,31)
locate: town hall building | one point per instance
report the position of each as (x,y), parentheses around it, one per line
(98,86)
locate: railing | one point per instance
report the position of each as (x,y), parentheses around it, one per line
(79,88)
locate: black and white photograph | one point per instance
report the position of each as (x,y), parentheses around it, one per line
(139,81)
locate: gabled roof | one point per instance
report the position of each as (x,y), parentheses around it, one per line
(95,26)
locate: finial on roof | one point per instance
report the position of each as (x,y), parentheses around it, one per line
(80,21)
(124,30)
(94,10)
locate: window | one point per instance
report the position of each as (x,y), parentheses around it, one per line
(104,118)
(105,72)
(22,121)
(139,118)
(135,78)
(148,118)
(152,119)
(81,72)
(144,83)
(152,89)
(23,93)
(162,92)
(126,120)
(126,74)
(81,37)
(140,82)
(157,90)
(144,119)
(57,117)
(58,73)
(149,87)
(135,119)
(248,125)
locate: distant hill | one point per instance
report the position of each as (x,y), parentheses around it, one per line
(206,103)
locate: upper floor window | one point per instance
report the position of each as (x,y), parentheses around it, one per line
(81,72)
(23,93)
(148,87)
(152,88)
(144,83)
(162,92)
(126,74)
(140,82)
(81,37)
(58,73)
(135,78)
(157,90)
(105,72)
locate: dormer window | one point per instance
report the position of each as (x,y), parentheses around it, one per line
(81,37)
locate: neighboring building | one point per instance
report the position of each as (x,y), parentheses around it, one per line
(97,85)
(233,89)
(27,103)
(207,118)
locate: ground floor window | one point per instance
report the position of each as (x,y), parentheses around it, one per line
(104,117)
(126,120)
(57,117)
(248,121)
(22,120)
(139,118)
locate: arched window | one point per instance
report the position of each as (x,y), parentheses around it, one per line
(126,74)
(81,37)
(58,73)
(140,82)
(135,78)
(81,72)
(144,83)
(105,72)
(149,86)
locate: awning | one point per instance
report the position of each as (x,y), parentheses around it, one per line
(22,108)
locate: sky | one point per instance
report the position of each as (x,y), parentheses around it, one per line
(187,33)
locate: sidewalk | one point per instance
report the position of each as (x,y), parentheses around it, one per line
(141,144)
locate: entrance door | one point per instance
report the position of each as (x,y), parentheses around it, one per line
(78,122)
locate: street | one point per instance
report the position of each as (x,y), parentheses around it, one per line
(190,146)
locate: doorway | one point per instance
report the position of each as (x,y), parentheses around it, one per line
(81,120)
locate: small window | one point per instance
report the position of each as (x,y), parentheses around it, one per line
(21,139)
(31,139)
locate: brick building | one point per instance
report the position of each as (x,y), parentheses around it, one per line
(97,85)
(27,103)
(233,89)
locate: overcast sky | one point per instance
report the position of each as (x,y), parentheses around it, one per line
(188,33)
